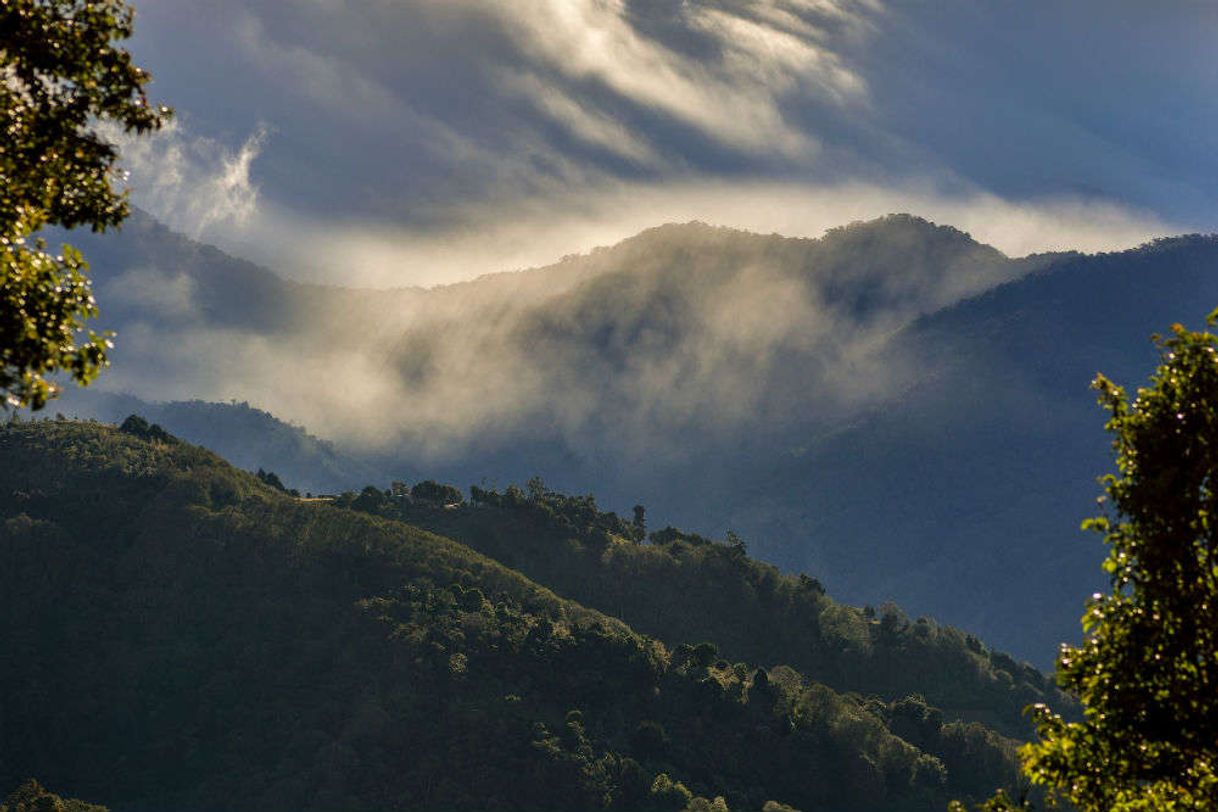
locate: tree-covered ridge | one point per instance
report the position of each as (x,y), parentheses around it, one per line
(250,650)
(33,797)
(247,437)
(681,586)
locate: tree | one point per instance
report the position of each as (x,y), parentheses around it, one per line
(1147,671)
(63,77)
(272,479)
(435,493)
(736,544)
(139,427)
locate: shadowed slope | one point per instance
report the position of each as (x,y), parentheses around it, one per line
(248,650)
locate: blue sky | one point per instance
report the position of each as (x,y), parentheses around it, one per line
(420,141)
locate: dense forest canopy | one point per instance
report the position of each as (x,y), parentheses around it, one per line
(682,586)
(252,649)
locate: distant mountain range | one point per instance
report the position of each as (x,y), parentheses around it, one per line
(895,408)
(247,437)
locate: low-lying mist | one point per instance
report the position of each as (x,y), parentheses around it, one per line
(874,406)
(683,334)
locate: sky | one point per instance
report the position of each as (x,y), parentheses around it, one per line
(417,142)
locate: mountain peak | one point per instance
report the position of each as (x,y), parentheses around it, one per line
(910,229)
(898,224)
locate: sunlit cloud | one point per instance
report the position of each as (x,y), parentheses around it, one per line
(192,183)
(731,91)
(405,135)
(586,124)
(486,239)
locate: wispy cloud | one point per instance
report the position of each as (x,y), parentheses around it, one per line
(730,87)
(409,134)
(582,121)
(534,231)
(192,183)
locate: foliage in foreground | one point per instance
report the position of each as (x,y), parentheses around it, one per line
(63,75)
(1147,672)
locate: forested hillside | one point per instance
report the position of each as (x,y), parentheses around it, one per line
(181,635)
(33,797)
(894,406)
(681,586)
(248,437)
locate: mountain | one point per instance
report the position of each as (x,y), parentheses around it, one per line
(683,329)
(680,586)
(179,635)
(963,500)
(893,407)
(248,437)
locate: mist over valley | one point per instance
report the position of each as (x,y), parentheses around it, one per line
(868,406)
(608,406)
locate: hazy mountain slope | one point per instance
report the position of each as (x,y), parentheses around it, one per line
(247,650)
(152,276)
(686,331)
(964,500)
(247,437)
(875,407)
(682,328)
(194,322)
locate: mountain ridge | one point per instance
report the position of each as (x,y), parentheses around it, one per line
(249,649)
(853,405)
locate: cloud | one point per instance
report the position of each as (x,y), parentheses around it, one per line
(731,89)
(194,184)
(171,295)
(588,125)
(392,109)
(481,239)
(426,142)
(374,144)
